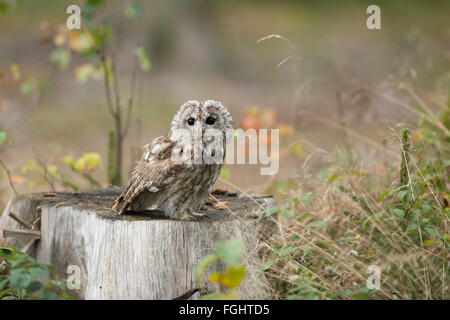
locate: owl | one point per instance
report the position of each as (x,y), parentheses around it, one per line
(176,172)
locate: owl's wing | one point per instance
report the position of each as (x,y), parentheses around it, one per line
(151,173)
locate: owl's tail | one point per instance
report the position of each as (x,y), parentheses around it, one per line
(119,205)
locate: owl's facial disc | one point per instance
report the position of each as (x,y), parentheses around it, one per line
(217,117)
(207,126)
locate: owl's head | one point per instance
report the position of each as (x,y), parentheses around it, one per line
(202,120)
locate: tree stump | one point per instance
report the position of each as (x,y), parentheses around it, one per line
(133,256)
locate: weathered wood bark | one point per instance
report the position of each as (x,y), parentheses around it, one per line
(135,256)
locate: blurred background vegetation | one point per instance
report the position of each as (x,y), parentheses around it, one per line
(339,93)
(208,49)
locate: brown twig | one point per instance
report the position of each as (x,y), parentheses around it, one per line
(131,98)
(107,84)
(9,177)
(46,174)
(21,221)
(15,233)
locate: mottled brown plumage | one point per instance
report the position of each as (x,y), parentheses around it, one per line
(176,173)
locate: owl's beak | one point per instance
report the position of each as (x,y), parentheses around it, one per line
(201,131)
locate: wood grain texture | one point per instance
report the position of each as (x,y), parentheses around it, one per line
(137,256)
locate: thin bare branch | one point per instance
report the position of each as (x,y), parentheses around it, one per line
(131,98)
(116,85)
(46,174)
(21,221)
(9,177)
(107,83)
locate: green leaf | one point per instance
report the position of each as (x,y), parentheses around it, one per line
(44,86)
(3,137)
(401,194)
(84,72)
(306,249)
(94,3)
(27,87)
(132,10)
(3,9)
(38,272)
(426,208)
(203,265)
(48,295)
(268,212)
(316,224)
(143,58)
(384,194)
(267,265)
(225,174)
(6,252)
(230,251)
(344,240)
(305,199)
(288,250)
(433,232)
(19,279)
(61,284)
(34,286)
(305,216)
(61,57)
(3,284)
(399,212)
(286,213)
(229,295)
(411,227)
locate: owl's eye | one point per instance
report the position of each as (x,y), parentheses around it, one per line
(191,121)
(210,120)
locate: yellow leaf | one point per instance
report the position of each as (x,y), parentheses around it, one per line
(297,150)
(59,39)
(15,71)
(31,165)
(84,72)
(231,278)
(215,277)
(80,41)
(53,170)
(80,165)
(68,160)
(92,160)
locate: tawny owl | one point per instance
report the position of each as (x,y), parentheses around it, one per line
(176,172)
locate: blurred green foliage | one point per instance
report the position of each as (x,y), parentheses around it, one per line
(22,277)
(229,253)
